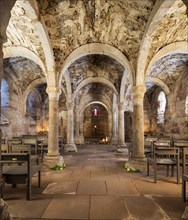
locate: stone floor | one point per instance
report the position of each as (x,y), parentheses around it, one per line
(95,185)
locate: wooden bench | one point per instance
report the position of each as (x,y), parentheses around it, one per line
(19,169)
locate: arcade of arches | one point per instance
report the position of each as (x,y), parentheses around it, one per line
(109,71)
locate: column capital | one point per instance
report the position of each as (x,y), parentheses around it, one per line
(138,92)
(70,104)
(53,91)
(121,105)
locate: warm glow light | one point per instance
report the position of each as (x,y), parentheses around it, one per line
(95,126)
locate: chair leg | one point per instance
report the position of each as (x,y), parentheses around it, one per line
(147,168)
(29,188)
(39,179)
(155,173)
(167,170)
(172,171)
(183,189)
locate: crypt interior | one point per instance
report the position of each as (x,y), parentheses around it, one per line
(106,72)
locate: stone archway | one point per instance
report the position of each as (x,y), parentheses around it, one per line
(95,123)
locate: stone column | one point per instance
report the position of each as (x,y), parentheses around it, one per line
(1,74)
(4,213)
(1,66)
(121,132)
(77,127)
(70,146)
(114,139)
(138,122)
(53,156)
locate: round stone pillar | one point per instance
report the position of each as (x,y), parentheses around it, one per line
(53,156)
(114,139)
(138,122)
(70,146)
(121,130)
(77,127)
(1,74)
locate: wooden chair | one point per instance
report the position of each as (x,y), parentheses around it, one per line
(148,145)
(164,156)
(22,173)
(32,141)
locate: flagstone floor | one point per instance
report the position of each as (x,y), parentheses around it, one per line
(95,185)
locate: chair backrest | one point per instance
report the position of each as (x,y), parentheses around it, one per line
(4,148)
(31,141)
(161,143)
(14,141)
(20,148)
(151,139)
(184,155)
(167,139)
(166,152)
(181,143)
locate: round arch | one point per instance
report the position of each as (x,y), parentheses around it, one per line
(178,47)
(97,48)
(95,80)
(109,125)
(29,88)
(23,52)
(159,11)
(160,83)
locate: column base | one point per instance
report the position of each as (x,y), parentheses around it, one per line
(51,161)
(122,148)
(4,210)
(70,148)
(138,163)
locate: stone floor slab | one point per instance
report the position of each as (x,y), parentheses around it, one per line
(80,175)
(173,206)
(108,207)
(116,187)
(67,187)
(144,208)
(104,175)
(161,188)
(92,187)
(68,207)
(22,208)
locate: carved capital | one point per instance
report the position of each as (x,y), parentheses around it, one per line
(53,91)
(138,92)
(70,104)
(121,105)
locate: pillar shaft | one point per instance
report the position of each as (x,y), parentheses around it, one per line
(138,122)
(70,146)
(53,135)
(70,127)
(77,128)
(121,131)
(1,74)
(114,138)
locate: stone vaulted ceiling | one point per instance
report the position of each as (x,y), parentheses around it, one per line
(21,31)
(172,28)
(116,22)
(170,68)
(73,23)
(21,71)
(96,66)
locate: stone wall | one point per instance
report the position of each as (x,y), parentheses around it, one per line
(175,123)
